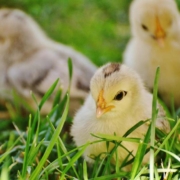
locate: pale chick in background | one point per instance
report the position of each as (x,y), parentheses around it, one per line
(117,101)
(30,61)
(155,26)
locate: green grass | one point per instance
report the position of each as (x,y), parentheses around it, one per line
(40,147)
(46,151)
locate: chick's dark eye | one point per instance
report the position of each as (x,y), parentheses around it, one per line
(144,27)
(120,95)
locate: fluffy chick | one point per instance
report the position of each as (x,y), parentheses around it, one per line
(29,60)
(155,42)
(117,101)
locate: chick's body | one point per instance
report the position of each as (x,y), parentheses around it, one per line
(29,60)
(155,42)
(130,103)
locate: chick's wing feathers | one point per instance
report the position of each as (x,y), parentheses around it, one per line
(39,71)
(32,72)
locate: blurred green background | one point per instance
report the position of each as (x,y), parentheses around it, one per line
(97,28)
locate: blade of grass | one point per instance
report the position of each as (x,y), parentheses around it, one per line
(142,147)
(126,160)
(140,154)
(54,138)
(3,156)
(57,97)
(61,107)
(112,153)
(36,119)
(156,174)
(59,155)
(34,151)
(138,124)
(142,171)
(170,153)
(153,126)
(29,136)
(61,144)
(168,136)
(117,138)
(70,68)
(99,167)
(56,162)
(35,140)
(8,151)
(71,162)
(6,163)
(85,175)
(112,176)
(117,165)
(48,93)
(4,172)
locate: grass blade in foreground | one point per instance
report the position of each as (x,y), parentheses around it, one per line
(9,150)
(48,93)
(74,159)
(142,147)
(168,136)
(85,175)
(154,115)
(139,155)
(52,142)
(29,136)
(70,67)
(62,146)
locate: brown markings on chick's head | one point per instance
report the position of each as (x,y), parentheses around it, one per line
(111,68)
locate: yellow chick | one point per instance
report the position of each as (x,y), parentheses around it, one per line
(117,101)
(155,26)
(30,61)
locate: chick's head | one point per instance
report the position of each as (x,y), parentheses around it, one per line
(116,89)
(17,29)
(13,21)
(155,21)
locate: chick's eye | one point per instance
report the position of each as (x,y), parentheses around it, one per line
(144,27)
(120,95)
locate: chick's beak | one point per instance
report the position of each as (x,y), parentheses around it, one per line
(159,33)
(100,111)
(101,106)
